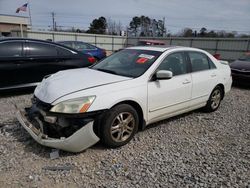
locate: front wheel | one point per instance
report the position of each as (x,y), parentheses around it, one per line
(119,125)
(214,100)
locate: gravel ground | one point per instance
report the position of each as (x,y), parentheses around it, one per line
(192,150)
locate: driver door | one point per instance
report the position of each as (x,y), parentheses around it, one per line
(171,96)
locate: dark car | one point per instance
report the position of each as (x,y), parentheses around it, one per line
(24,62)
(241,69)
(84,47)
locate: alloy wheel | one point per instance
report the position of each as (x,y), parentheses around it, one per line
(216,98)
(122,127)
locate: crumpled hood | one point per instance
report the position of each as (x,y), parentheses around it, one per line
(70,81)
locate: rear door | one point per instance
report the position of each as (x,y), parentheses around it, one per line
(11,56)
(167,97)
(204,77)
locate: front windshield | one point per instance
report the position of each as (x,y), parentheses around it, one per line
(245,57)
(128,62)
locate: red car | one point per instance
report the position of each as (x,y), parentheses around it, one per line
(150,42)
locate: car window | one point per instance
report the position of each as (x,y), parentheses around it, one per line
(11,49)
(81,46)
(91,47)
(63,51)
(41,49)
(69,44)
(199,61)
(175,63)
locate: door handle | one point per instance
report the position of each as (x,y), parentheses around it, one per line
(186,82)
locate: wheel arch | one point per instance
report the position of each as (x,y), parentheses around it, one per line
(222,88)
(137,107)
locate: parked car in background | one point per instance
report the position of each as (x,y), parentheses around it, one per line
(241,69)
(128,90)
(150,42)
(146,43)
(24,62)
(84,47)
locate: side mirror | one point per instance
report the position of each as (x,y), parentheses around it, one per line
(163,75)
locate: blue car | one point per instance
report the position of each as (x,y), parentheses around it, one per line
(84,47)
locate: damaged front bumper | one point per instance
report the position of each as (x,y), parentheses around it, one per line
(80,140)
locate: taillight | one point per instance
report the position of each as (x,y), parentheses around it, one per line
(91,59)
(217,56)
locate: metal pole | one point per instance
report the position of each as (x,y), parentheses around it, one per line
(21,28)
(30,15)
(112,43)
(216,47)
(53,20)
(191,42)
(248,45)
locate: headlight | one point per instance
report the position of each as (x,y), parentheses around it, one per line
(79,105)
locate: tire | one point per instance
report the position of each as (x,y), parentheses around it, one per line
(214,100)
(119,125)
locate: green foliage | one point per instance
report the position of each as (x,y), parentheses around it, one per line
(98,26)
(146,27)
(187,32)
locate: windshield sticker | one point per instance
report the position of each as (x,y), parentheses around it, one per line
(147,56)
(142,60)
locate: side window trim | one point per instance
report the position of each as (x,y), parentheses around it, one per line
(211,62)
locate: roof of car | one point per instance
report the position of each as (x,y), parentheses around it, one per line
(160,48)
(152,41)
(71,41)
(36,40)
(19,38)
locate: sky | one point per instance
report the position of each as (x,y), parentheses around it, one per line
(228,15)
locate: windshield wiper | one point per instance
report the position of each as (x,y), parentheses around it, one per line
(108,71)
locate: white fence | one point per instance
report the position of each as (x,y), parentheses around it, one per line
(228,48)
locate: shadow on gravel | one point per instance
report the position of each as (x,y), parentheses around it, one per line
(16,92)
(165,121)
(241,86)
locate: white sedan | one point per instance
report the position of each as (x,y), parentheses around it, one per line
(110,101)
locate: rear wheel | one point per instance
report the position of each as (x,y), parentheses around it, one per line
(120,125)
(214,100)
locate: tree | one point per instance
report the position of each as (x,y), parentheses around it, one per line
(187,32)
(212,34)
(114,28)
(134,24)
(98,26)
(203,32)
(145,26)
